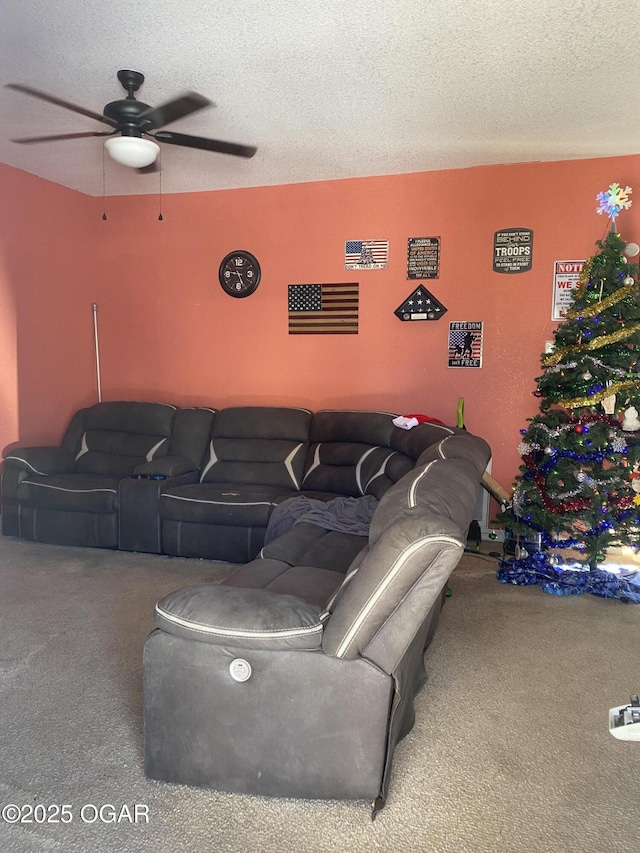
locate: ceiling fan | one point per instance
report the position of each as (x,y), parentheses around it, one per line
(136,125)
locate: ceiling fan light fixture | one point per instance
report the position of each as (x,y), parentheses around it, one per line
(132,151)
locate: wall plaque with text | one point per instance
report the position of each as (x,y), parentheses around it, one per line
(423,257)
(513,250)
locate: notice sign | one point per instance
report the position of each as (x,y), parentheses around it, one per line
(566,277)
(423,257)
(465,344)
(513,250)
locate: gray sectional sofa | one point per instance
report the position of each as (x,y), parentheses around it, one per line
(295,677)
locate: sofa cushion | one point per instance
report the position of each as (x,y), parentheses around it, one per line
(441,488)
(120,435)
(241,618)
(190,434)
(413,548)
(415,540)
(357,453)
(221,503)
(258,444)
(345,467)
(133,417)
(310,545)
(308,582)
(70,492)
(117,454)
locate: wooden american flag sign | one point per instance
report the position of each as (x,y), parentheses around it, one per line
(323,309)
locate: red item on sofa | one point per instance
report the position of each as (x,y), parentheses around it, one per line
(425,419)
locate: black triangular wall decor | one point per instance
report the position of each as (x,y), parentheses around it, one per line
(421,305)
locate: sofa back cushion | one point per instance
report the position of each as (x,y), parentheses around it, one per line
(416,538)
(118,436)
(261,445)
(358,453)
(191,433)
(445,483)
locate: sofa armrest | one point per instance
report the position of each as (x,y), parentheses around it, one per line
(40,460)
(241,618)
(165,467)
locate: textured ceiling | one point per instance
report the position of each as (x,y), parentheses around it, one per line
(325,88)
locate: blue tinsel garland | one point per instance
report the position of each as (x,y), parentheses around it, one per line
(537,569)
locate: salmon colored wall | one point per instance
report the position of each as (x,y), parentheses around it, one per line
(169,332)
(47,263)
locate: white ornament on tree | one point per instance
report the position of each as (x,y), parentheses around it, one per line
(631,423)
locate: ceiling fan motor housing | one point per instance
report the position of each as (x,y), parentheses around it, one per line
(127,111)
(127,114)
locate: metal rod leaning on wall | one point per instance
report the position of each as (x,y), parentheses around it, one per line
(94,308)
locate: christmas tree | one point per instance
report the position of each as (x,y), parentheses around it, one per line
(579,482)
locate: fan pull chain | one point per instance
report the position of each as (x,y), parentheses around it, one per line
(104,185)
(160,184)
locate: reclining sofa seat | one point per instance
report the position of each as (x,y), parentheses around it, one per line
(263,690)
(255,460)
(71,494)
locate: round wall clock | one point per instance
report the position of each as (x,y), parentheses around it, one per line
(239,273)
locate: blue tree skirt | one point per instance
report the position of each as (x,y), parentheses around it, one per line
(536,569)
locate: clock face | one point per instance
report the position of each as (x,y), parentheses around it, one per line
(239,273)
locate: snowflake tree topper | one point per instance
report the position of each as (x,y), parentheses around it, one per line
(614,200)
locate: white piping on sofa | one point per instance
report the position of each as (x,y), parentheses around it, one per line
(239,633)
(384,583)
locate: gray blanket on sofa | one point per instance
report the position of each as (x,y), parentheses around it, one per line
(347,515)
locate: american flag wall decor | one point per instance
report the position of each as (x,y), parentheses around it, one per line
(323,309)
(420,305)
(366,254)
(465,344)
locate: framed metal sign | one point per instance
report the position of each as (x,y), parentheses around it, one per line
(513,250)
(423,257)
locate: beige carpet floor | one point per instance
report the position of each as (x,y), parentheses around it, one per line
(510,751)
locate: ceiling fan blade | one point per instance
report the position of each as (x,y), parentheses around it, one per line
(177,108)
(29,139)
(205,144)
(36,93)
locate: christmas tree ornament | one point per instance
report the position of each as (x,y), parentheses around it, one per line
(613,200)
(631,422)
(629,281)
(609,404)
